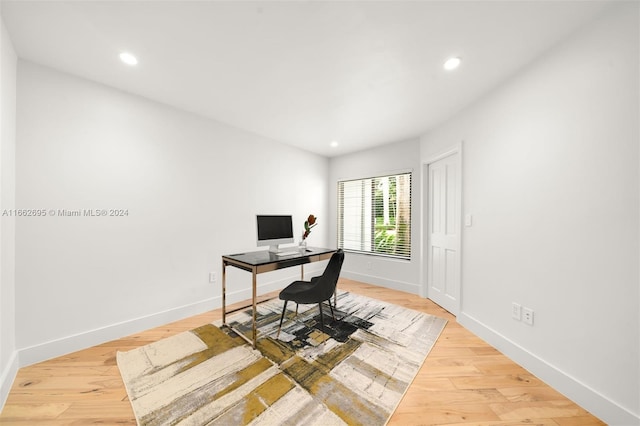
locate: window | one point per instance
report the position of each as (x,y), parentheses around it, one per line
(374,215)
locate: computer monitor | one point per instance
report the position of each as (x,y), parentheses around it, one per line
(273,230)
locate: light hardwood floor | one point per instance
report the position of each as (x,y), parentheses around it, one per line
(463,381)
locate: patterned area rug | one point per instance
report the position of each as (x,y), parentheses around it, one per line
(354,371)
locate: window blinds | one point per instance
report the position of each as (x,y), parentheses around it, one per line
(374,215)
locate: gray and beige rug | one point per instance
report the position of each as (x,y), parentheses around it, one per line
(354,371)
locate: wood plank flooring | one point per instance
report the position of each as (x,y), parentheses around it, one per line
(463,381)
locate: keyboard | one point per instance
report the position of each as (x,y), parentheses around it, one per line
(287,253)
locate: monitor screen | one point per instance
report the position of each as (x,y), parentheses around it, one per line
(274,229)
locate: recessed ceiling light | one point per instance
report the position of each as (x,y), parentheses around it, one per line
(452,63)
(128,58)
(334,144)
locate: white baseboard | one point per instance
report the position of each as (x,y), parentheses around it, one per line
(588,398)
(54,348)
(412,288)
(7,377)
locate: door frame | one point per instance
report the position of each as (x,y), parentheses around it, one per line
(424,219)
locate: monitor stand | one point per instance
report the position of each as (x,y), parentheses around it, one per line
(286,251)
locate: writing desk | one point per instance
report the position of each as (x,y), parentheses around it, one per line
(258,262)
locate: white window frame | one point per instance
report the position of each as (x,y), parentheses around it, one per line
(384,235)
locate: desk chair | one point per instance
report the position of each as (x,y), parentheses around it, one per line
(317,290)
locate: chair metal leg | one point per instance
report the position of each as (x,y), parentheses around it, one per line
(282,318)
(321,318)
(331,307)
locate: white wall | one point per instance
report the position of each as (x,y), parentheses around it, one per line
(550,175)
(8,354)
(191,186)
(396,157)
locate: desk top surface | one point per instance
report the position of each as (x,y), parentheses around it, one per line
(262,257)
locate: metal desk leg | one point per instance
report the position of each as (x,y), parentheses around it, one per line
(255,294)
(224,293)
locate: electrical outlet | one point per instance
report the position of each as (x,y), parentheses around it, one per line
(527,316)
(212,277)
(516,311)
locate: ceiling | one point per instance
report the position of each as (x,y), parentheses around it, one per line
(305,73)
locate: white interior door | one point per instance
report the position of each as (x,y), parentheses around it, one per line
(443,247)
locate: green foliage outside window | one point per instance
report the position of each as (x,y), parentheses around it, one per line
(392,236)
(374,215)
